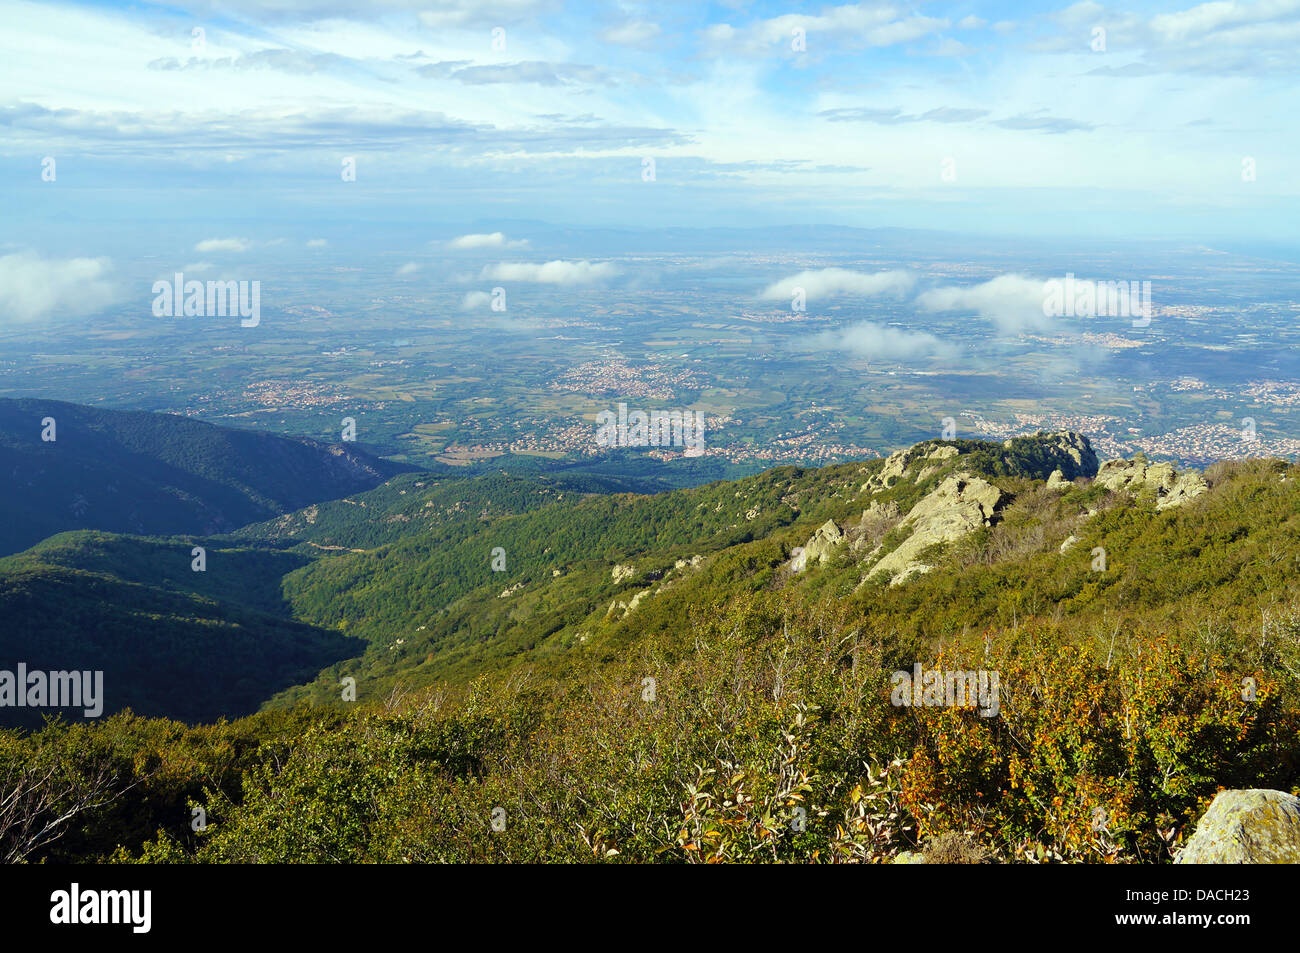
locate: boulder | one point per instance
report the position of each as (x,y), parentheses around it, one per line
(879,513)
(1188,486)
(1171,488)
(621,573)
(876,520)
(1256,826)
(818,547)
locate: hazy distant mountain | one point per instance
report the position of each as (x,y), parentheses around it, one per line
(146,473)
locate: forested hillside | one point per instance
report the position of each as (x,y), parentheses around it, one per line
(170,641)
(68,466)
(527,670)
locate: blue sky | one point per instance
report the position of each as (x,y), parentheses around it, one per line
(1017,119)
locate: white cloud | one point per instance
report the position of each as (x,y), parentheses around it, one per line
(32,287)
(410,268)
(317,243)
(1013,302)
(1208,17)
(632,33)
(884,343)
(475,300)
(463,13)
(877,24)
(486,240)
(553,272)
(824,282)
(223,245)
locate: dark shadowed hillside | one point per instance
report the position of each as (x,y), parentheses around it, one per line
(170,641)
(137,472)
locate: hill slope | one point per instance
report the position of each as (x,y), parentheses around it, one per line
(170,641)
(145,473)
(713,673)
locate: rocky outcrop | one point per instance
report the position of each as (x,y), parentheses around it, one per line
(1255,826)
(1036,457)
(877,519)
(1073,452)
(899,463)
(960,505)
(1057,481)
(1135,474)
(819,546)
(1187,486)
(621,573)
(1171,488)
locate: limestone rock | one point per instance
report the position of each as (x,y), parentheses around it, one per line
(876,520)
(1057,481)
(1078,449)
(1069,541)
(1256,826)
(621,573)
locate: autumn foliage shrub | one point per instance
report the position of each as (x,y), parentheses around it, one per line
(1089,761)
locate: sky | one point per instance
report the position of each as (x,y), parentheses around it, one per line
(193,118)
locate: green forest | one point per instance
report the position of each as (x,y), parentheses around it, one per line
(531,668)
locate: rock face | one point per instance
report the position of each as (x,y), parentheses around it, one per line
(1186,487)
(898,463)
(1172,488)
(1035,457)
(1077,458)
(1246,827)
(620,572)
(960,505)
(876,520)
(1057,481)
(819,546)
